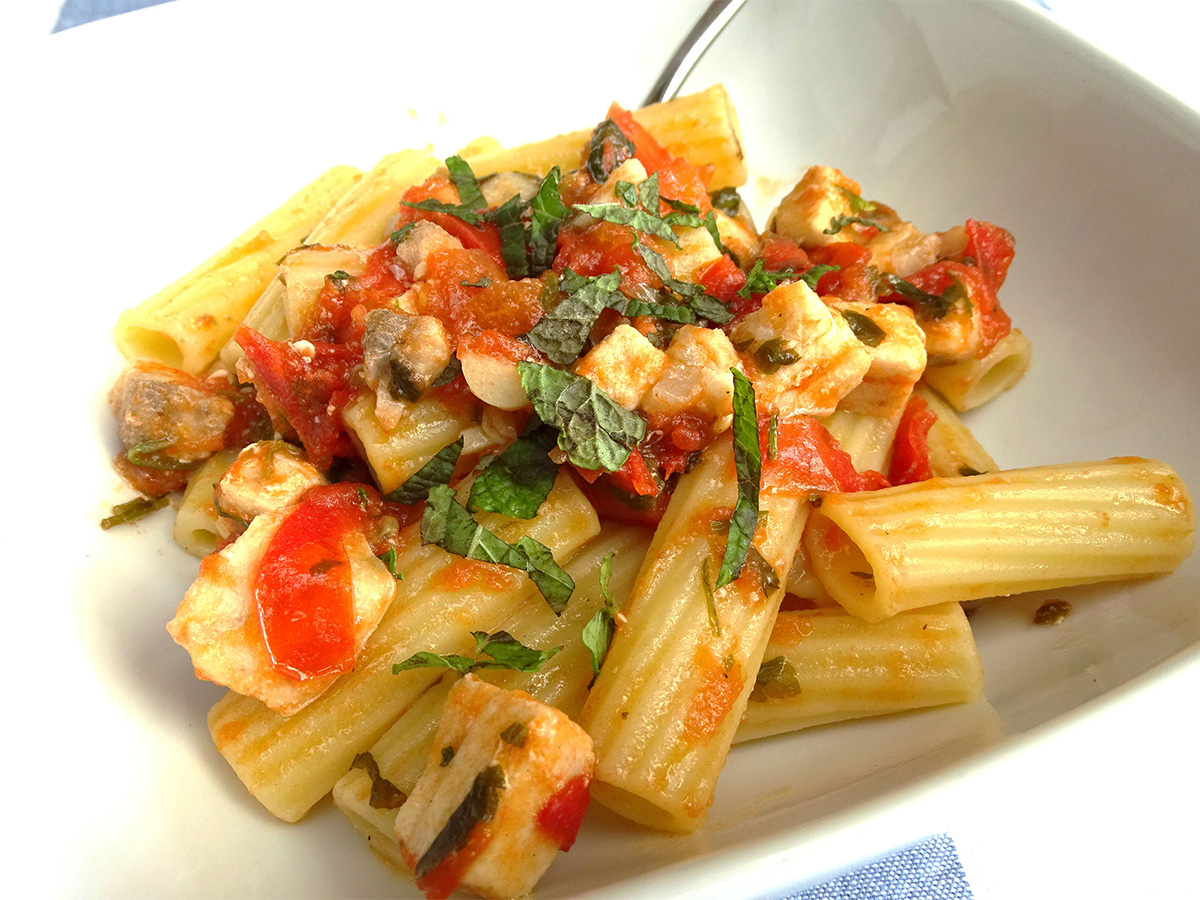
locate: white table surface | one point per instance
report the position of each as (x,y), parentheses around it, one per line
(1106,808)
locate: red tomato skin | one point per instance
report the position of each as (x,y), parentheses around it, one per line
(994,322)
(809,459)
(992,248)
(303,590)
(559,819)
(310,393)
(910,449)
(648,151)
(485,237)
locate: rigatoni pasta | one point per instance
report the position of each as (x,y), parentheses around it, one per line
(558,426)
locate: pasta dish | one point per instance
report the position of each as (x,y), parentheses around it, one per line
(540,475)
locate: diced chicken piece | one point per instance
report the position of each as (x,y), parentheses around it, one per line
(266,476)
(424,239)
(625,365)
(167,413)
(896,345)
(403,356)
(696,250)
(802,357)
(696,377)
(955,336)
(505,787)
(813,206)
(904,249)
(217,621)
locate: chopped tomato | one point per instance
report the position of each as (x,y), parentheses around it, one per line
(303,588)
(485,236)
(648,151)
(336,317)
(680,180)
(250,422)
(850,280)
(809,459)
(612,503)
(309,393)
(635,477)
(722,279)
(992,248)
(470,293)
(499,345)
(910,449)
(780,254)
(600,248)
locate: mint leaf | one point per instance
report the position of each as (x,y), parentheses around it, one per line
(450,209)
(693,295)
(449,525)
(563,331)
(644,219)
(507,217)
(837,223)
(507,652)
(427,659)
(593,429)
(761,281)
(469,193)
(517,482)
(437,471)
(748,463)
(547,212)
(864,328)
(607,149)
(598,632)
(775,680)
(926,305)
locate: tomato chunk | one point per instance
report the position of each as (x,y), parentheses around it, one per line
(910,450)
(809,458)
(303,589)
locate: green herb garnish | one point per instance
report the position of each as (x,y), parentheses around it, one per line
(517,482)
(437,471)
(864,328)
(598,632)
(479,805)
(748,463)
(384,794)
(132,510)
(563,331)
(503,651)
(594,430)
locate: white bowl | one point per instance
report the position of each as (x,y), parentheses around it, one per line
(145,142)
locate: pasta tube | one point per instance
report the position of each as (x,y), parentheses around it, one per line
(701,127)
(664,709)
(186,324)
(825,665)
(973,382)
(289,763)
(964,538)
(196,522)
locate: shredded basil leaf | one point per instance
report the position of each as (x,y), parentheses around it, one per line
(864,328)
(748,463)
(594,430)
(384,794)
(598,632)
(772,355)
(776,680)
(479,805)
(710,600)
(448,524)
(437,471)
(727,200)
(645,219)
(563,331)
(773,437)
(388,558)
(517,482)
(926,305)
(703,305)
(622,148)
(547,212)
(837,223)
(515,734)
(469,193)
(400,235)
(503,651)
(450,209)
(857,203)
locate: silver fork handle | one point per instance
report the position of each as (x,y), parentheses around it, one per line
(703,33)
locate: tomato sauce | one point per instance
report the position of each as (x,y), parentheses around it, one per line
(720,682)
